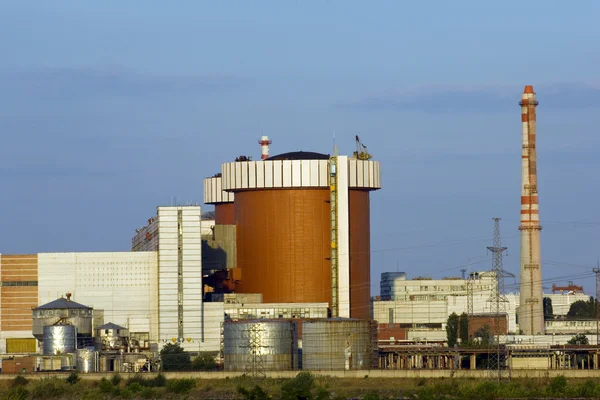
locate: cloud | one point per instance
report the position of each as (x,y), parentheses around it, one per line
(481,99)
(67,81)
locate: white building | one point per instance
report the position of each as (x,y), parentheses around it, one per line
(388,286)
(122,284)
(425,303)
(175,233)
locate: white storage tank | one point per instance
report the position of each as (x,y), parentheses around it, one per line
(271,345)
(338,344)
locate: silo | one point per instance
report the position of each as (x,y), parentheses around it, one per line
(338,344)
(271,345)
(87,360)
(59,339)
(283,222)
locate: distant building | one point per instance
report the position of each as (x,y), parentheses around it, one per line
(388,284)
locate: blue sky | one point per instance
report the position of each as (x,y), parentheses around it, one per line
(108,109)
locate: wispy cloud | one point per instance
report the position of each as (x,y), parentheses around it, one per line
(481,99)
(67,81)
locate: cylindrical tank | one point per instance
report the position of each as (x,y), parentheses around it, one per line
(271,344)
(59,339)
(224,213)
(87,360)
(282,214)
(283,244)
(337,344)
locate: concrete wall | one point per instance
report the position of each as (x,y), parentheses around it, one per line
(121,284)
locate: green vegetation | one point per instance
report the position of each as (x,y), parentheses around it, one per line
(174,358)
(305,386)
(205,362)
(485,335)
(464,329)
(583,309)
(548,311)
(73,379)
(452,329)
(579,339)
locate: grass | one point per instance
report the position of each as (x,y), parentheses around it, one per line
(305,385)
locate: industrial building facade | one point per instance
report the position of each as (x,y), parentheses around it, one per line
(421,306)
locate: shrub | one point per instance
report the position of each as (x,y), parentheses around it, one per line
(47,388)
(160,380)
(372,396)
(181,386)
(323,394)
(257,393)
(115,380)
(73,378)
(20,380)
(299,387)
(16,393)
(204,362)
(135,387)
(487,390)
(91,395)
(127,394)
(105,386)
(147,393)
(175,358)
(557,385)
(588,389)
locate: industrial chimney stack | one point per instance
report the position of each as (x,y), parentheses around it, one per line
(531,315)
(264,147)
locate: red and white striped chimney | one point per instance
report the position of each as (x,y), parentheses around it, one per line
(531,314)
(264,147)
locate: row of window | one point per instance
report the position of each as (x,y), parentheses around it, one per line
(19,283)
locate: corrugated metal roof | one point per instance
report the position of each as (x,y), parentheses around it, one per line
(110,325)
(61,303)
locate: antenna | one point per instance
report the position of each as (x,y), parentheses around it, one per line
(335,150)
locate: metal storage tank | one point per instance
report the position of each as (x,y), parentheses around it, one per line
(271,343)
(282,215)
(59,339)
(338,344)
(87,360)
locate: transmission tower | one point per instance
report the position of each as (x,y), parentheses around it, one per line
(469,284)
(498,307)
(254,364)
(597,272)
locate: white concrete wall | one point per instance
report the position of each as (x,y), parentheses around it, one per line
(169,231)
(122,284)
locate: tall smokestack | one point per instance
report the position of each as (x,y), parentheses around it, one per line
(531,314)
(264,147)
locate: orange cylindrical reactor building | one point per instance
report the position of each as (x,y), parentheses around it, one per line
(283,244)
(283,219)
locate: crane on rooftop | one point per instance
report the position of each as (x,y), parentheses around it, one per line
(361,152)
